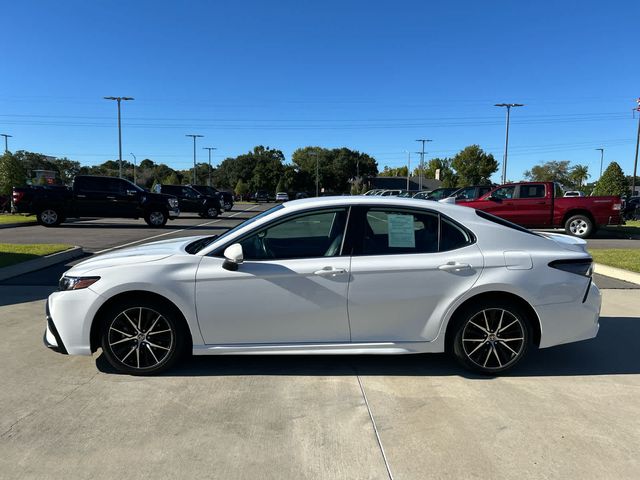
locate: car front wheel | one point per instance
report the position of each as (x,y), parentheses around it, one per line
(142,338)
(491,337)
(156,218)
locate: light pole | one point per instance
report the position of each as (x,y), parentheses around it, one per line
(635,162)
(506,143)
(408,167)
(135,160)
(194,155)
(209,148)
(423,140)
(6,143)
(601,161)
(119,99)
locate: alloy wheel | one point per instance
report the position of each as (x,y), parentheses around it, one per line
(493,339)
(156,218)
(49,217)
(578,227)
(140,338)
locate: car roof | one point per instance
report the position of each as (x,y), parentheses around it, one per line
(305,203)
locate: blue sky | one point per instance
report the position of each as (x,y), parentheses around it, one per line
(372,76)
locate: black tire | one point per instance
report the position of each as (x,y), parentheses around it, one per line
(228,207)
(579,226)
(156,218)
(489,345)
(50,217)
(211,212)
(142,337)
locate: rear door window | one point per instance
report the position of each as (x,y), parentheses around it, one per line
(531,191)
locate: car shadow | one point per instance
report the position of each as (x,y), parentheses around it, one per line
(612,352)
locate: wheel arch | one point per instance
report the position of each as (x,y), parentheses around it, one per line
(579,211)
(94,335)
(532,316)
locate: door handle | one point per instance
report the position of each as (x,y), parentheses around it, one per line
(81,196)
(454,267)
(540,203)
(111,198)
(330,271)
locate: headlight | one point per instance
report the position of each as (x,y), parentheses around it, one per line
(76,283)
(173,202)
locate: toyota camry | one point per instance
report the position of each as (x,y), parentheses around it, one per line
(341,275)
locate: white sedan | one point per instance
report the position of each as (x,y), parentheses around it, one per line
(341,275)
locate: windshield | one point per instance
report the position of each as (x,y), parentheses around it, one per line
(244,224)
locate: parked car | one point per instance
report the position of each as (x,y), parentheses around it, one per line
(94,196)
(573,193)
(543,205)
(390,193)
(261,196)
(422,195)
(282,197)
(319,271)
(300,195)
(225,198)
(631,208)
(440,193)
(372,192)
(192,201)
(472,192)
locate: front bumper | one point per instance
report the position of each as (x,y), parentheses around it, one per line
(173,214)
(51,336)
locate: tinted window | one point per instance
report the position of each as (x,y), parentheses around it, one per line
(170,189)
(189,192)
(531,191)
(506,193)
(89,184)
(483,191)
(466,193)
(305,236)
(452,236)
(389,232)
(559,193)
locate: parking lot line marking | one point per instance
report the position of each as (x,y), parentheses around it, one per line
(375,428)
(172,232)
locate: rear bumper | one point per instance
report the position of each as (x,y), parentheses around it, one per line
(572,321)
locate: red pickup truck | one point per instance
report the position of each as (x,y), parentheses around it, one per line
(543,205)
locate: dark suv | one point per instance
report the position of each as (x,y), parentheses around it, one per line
(226,199)
(190,200)
(261,196)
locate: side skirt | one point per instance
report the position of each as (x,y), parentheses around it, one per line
(377,348)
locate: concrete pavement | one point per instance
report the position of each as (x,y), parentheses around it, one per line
(568,412)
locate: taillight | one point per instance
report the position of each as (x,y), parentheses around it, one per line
(17,196)
(579,266)
(617,206)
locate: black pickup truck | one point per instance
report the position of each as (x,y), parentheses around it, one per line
(93,196)
(226,199)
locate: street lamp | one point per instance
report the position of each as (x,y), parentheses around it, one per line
(6,143)
(601,160)
(506,143)
(135,160)
(209,148)
(119,99)
(194,155)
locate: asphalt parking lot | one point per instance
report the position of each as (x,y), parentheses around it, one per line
(568,412)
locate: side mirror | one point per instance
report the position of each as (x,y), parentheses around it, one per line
(493,198)
(233,257)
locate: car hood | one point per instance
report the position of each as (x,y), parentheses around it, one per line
(147,252)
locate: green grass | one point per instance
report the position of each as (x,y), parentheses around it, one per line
(11,253)
(626,258)
(8,218)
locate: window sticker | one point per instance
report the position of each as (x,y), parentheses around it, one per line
(401,233)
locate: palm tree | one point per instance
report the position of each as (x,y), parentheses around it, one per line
(579,174)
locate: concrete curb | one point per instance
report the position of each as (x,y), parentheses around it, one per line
(39,263)
(617,273)
(18,224)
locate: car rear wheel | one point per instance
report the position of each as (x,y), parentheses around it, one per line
(142,338)
(579,226)
(156,218)
(491,337)
(212,212)
(228,206)
(49,217)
